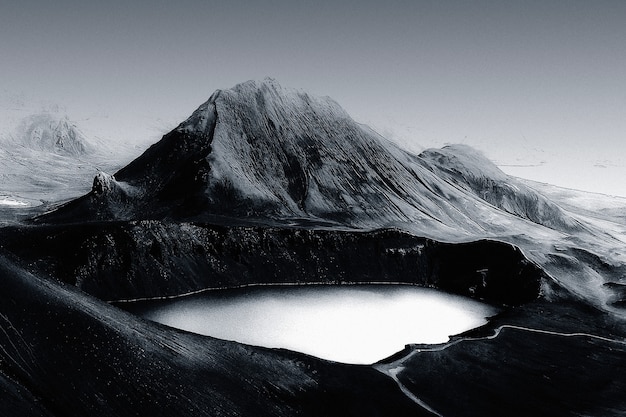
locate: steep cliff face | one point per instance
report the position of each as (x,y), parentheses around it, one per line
(153,259)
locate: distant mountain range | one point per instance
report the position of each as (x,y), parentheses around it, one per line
(48,132)
(47,157)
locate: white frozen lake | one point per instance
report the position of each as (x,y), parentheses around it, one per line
(352,324)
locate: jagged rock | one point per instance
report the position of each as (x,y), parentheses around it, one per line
(102,184)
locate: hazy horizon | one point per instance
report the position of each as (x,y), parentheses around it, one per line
(530,83)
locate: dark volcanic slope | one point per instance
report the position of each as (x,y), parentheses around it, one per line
(66,354)
(521,373)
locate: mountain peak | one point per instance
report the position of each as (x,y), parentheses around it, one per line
(51,133)
(265,96)
(202,119)
(269,95)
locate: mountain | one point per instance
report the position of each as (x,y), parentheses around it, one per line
(263,152)
(267,185)
(51,133)
(470,170)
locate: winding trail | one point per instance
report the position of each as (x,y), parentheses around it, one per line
(393,373)
(394,368)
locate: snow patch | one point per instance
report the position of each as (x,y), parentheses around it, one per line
(11,202)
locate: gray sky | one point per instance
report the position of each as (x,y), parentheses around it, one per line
(527,82)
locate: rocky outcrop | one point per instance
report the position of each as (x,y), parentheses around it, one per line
(266,153)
